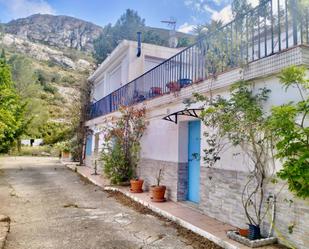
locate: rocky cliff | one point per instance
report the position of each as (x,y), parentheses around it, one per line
(58,31)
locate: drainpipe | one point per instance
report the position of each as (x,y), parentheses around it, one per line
(139,45)
(273,197)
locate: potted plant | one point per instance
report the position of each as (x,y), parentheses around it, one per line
(136,185)
(241,120)
(184,82)
(173,86)
(155,91)
(157,191)
(65,150)
(243,232)
(121,152)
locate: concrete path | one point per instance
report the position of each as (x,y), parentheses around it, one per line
(51,207)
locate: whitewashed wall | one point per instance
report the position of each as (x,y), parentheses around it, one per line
(130,66)
(167,141)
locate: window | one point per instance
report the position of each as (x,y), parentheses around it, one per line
(115,79)
(151,62)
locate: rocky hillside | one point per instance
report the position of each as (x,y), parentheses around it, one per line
(58,31)
(66,58)
(58,51)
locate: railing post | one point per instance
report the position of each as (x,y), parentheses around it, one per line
(180,69)
(294,20)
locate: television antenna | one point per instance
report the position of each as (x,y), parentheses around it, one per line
(171,23)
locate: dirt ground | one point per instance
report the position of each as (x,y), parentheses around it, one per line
(191,238)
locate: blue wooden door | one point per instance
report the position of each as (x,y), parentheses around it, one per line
(194,161)
(89,145)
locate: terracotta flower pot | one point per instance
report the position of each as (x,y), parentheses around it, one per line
(156,90)
(136,185)
(157,193)
(243,232)
(173,86)
(65,155)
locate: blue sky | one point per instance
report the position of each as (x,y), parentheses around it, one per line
(187,12)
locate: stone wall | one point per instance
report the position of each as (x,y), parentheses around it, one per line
(148,170)
(182,182)
(221,199)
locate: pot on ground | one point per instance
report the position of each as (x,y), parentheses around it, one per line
(136,185)
(254,232)
(243,232)
(157,193)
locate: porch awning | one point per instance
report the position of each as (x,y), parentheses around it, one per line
(173,117)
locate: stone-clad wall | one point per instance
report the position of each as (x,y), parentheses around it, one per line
(148,170)
(182,183)
(221,199)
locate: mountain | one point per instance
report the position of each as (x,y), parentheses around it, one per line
(58,31)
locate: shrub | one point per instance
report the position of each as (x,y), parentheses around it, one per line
(291,132)
(120,154)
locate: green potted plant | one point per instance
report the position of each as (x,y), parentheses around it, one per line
(157,191)
(242,121)
(121,152)
(173,86)
(65,149)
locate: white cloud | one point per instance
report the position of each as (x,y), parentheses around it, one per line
(225,15)
(24,8)
(199,5)
(186,28)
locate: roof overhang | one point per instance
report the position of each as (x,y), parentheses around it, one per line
(173,117)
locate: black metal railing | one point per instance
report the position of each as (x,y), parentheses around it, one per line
(271,27)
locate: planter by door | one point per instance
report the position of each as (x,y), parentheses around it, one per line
(65,155)
(254,232)
(136,186)
(157,193)
(243,232)
(194,161)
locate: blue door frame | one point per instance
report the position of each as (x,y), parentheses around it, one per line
(89,145)
(194,145)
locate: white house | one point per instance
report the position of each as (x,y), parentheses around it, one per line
(174,133)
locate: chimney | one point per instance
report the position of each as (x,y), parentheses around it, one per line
(139,45)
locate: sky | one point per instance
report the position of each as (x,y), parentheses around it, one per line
(187,13)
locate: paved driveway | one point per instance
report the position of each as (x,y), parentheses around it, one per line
(51,207)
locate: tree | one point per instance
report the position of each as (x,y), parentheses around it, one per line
(120,154)
(126,27)
(12,122)
(26,86)
(241,122)
(289,123)
(104,44)
(240,7)
(53,132)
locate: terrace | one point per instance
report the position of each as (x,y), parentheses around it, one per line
(268,29)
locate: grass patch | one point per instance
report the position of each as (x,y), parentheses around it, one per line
(44,150)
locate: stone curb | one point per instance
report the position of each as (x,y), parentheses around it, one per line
(4,229)
(181,222)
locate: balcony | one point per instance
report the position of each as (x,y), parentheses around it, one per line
(270,28)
